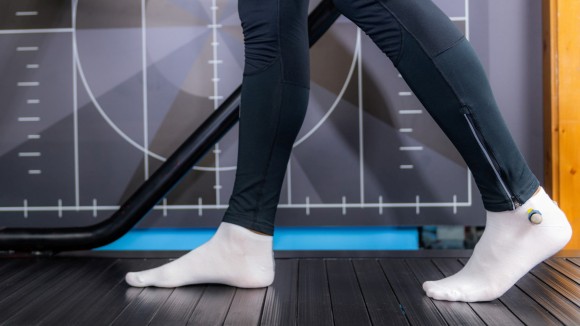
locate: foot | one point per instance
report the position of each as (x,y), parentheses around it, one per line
(510,246)
(234,256)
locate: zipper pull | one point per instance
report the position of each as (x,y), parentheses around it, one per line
(516,202)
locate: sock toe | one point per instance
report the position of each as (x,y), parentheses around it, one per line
(427,286)
(438,292)
(133,279)
(431,294)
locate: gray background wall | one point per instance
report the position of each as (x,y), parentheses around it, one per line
(93,96)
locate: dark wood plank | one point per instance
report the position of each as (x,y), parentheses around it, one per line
(15,279)
(554,302)
(18,268)
(418,308)
(575,261)
(6,265)
(18,295)
(558,282)
(246,307)
(348,306)
(314,306)
(525,309)
(116,295)
(179,306)
(141,310)
(11,267)
(42,303)
(68,312)
(491,312)
(213,306)
(280,304)
(455,313)
(382,304)
(565,267)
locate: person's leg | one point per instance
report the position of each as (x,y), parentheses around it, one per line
(444,73)
(274,97)
(274,100)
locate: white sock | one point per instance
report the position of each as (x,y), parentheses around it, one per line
(234,256)
(510,246)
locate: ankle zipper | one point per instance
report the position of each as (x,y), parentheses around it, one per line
(515,202)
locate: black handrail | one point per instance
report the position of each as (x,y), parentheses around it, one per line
(160,183)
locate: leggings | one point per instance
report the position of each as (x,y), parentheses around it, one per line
(432,55)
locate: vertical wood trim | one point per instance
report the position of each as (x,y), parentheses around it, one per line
(550,81)
(568,113)
(561,98)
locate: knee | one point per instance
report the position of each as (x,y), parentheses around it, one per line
(425,22)
(374,18)
(260,26)
(346,7)
(342,5)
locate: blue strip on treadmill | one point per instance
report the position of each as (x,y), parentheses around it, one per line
(285,238)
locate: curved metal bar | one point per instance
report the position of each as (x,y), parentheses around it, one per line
(160,182)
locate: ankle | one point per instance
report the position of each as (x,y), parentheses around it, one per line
(260,233)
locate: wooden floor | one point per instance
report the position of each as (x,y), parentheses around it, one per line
(373,288)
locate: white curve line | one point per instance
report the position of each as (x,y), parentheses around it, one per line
(75,116)
(145,79)
(467,34)
(338,98)
(106,117)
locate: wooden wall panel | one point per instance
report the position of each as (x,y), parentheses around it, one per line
(562,107)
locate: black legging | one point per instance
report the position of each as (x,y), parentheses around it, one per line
(432,55)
